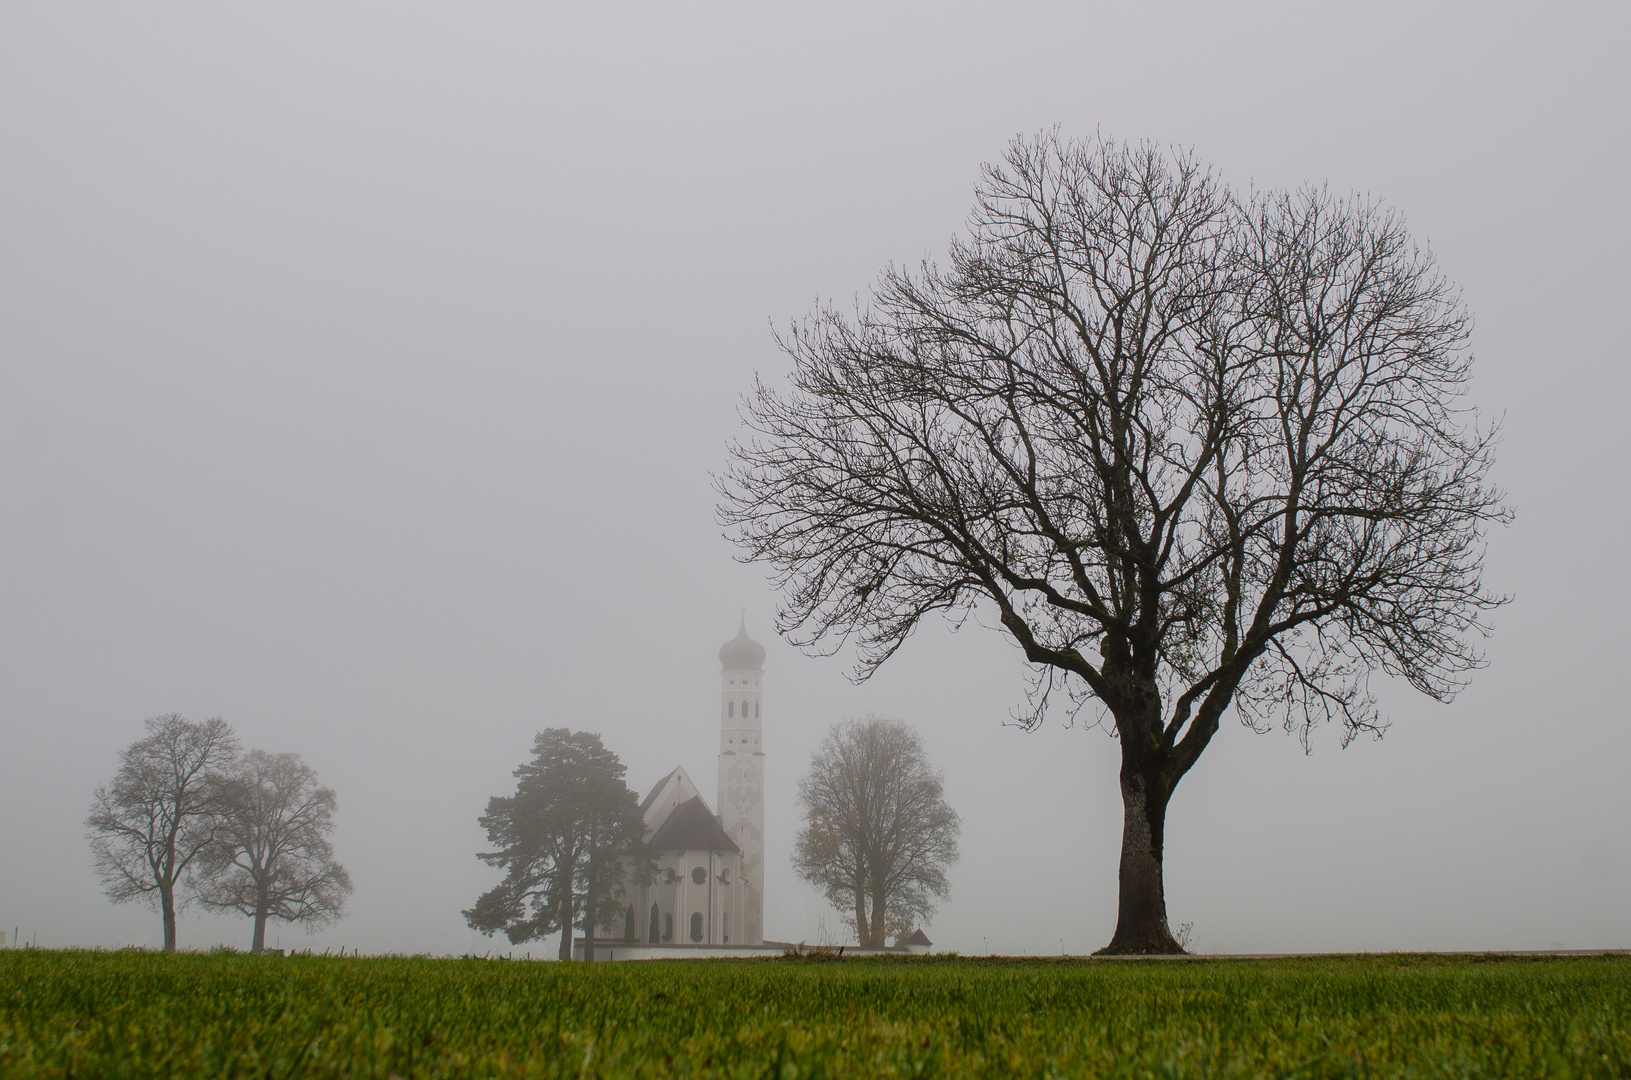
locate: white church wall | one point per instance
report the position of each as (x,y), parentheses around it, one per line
(718,899)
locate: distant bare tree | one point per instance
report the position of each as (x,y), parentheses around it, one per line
(877,833)
(154,821)
(1190,449)
(272,858)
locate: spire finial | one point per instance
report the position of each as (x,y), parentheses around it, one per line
(742,653)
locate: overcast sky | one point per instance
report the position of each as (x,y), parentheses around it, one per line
(363,368)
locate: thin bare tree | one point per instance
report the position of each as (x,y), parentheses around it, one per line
(150,825)
(1190,449)
(878,834)
(272,858)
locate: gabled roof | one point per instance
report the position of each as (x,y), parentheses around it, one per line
(918,938)
(693,827)
(664,796)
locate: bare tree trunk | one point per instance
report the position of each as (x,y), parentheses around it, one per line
(878,904)
(167,903)
(566,934)
(565,879)
(1141,916)
(258,943)
(860,913)
(258,940)
(591,886)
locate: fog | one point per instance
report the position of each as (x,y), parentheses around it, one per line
(363,368)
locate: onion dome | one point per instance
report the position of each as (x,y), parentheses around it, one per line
(742,653)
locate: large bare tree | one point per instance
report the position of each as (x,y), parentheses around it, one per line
(1191,449)
(878,834)
(150,826)
(272,858)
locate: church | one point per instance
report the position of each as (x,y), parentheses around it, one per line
(707,897)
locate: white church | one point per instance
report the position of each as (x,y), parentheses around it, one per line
(707,898)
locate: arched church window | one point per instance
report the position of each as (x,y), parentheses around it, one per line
(756,710)
(730,708)
(668,926)
(628,926)
(696,926)
(668,875)
(653,932)
(699,875)
(725,926)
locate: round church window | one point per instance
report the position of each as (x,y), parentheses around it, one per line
(699,875)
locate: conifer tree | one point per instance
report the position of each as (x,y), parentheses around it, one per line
(566,839)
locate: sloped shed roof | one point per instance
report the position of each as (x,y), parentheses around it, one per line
(666,796)
(657,789)
(692,827)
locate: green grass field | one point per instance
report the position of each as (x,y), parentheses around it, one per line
(90,1014)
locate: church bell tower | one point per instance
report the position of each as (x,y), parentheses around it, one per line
(742,769)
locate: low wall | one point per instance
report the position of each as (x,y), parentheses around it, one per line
(616,951)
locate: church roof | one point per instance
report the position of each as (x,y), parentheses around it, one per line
(664,796)
(692,827)
(742,653)
(918,938)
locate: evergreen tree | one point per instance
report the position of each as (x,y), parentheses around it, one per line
(567,839)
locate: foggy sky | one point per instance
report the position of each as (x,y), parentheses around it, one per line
(363,367)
